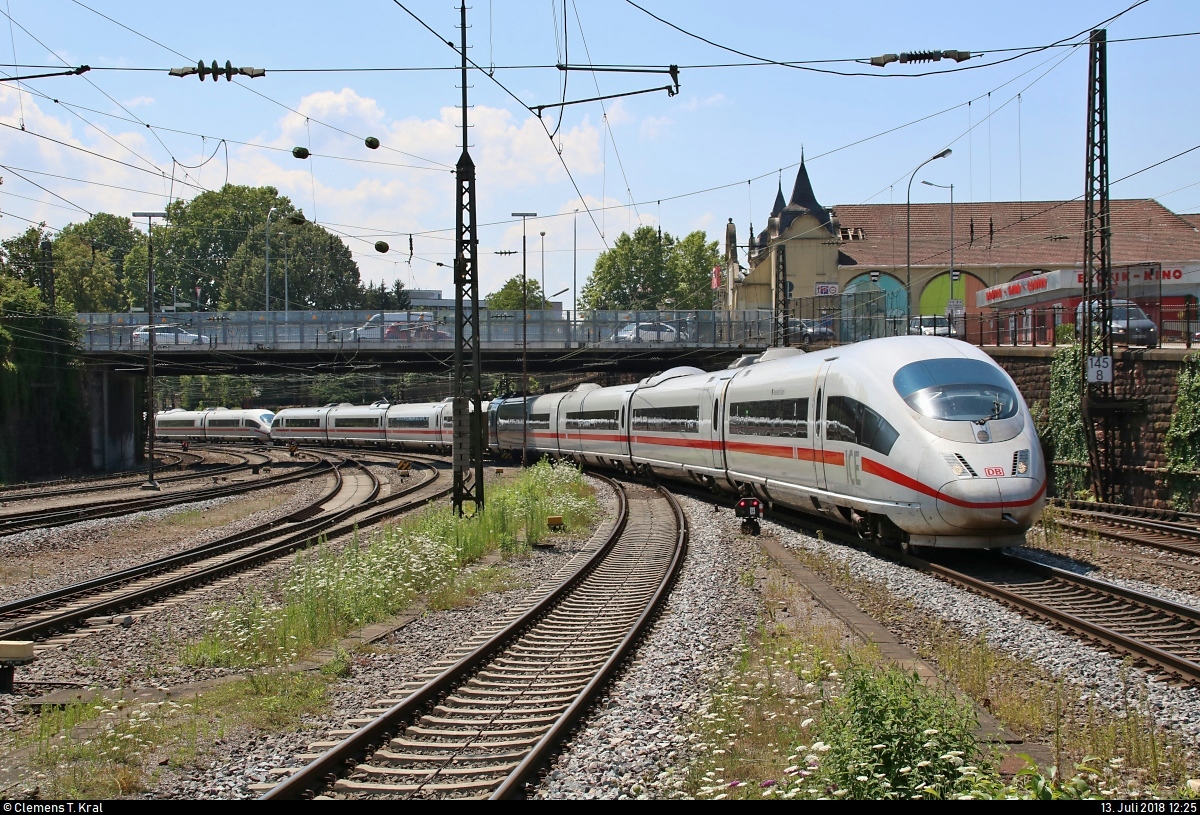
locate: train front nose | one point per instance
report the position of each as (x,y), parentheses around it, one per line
(991,503)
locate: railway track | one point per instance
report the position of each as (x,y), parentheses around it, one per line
(165,462)
(14,522)
(480,722)
(42,492)
(1178,533)
(1154,632)
(353,503)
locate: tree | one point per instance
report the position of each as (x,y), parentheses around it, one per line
(21,255)
(85,277)
(111,234)
(321,273)
(689,266)
(648,271)
(198,242)
(509,298)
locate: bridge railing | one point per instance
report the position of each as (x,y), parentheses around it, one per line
(320,330)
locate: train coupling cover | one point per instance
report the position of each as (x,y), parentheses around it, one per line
(750,510)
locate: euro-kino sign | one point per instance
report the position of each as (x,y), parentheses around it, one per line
(1140,280)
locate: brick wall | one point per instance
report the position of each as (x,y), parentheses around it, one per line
(1148,375)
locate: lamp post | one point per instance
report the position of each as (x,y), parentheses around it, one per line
(575,264)
(908,237)
(953,274)
(150,484)
(268,301)
(543,245)
(524,338)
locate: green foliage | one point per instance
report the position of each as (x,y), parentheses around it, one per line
(890,736)
(42,427)
(330,592)
(509,298)
(646,271)
(90,262)
(319,269)
(1183,437)
(1065,431)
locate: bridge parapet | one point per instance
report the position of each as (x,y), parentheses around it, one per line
(249,331)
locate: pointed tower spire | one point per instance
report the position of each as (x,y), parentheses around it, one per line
(780,203)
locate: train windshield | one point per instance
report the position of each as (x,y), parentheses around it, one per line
(956,390)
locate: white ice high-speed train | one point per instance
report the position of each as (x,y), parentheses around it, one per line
(214,424)
(423,426)
(918,441)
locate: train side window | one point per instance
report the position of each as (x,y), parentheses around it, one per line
(622,417)
(853,422)
(716,414)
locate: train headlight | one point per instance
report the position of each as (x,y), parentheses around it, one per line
(959,466)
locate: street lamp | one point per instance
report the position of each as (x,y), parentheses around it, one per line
(268,301)
(908,237)
(150,484)
(524,338)
(953,273)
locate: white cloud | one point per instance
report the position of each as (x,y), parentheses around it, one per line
(139,102)
(654,126)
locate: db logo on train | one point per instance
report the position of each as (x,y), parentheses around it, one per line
(993,472)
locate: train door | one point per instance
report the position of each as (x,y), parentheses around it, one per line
(818,425)
(717,426)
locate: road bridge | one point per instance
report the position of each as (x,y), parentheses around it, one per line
(262,343)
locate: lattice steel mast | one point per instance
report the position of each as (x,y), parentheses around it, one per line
(1101,420)
(467,391)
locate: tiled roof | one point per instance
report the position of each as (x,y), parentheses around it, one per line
(1193,219)
(1029,233)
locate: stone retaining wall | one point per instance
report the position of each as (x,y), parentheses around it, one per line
(1148,375)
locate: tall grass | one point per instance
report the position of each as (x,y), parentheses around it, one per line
(329,592)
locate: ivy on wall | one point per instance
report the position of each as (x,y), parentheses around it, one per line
(1065,440)
(1183,437)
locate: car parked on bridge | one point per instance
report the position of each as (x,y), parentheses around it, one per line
(165,335)
(646,332)
(1128,324)
(935,325)
(416,333)
(807,332)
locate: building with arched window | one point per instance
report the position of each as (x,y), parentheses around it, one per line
(852,259)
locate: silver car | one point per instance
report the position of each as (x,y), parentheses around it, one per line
(166,335)
(931,325)
(646,332)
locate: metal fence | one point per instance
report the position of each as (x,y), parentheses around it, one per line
(319,330)
(833,320)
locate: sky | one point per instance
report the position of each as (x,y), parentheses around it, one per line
(126,139)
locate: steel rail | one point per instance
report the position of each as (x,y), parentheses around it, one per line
(30,494)
(48,519)
(347,753)
(513,786)
(236,540)
(324,528)
(1165,660)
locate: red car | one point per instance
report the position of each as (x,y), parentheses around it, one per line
(416,333)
